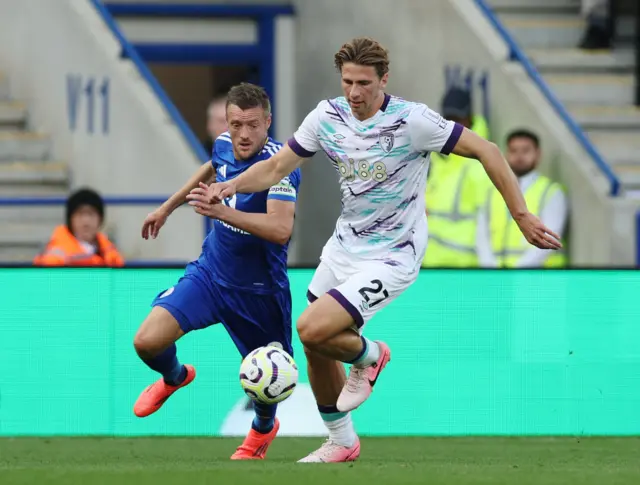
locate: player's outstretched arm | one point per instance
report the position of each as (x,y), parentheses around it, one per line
(154,221)
(204,174)
(473,146)
(260,176)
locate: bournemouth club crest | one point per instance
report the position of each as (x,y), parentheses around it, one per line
(386,141)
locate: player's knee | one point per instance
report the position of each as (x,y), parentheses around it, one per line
(159,330)
(310,335)
(144,344)
(147,343)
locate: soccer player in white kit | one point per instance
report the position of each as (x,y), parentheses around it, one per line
(380,146)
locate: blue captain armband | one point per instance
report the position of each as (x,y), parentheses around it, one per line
(283,190)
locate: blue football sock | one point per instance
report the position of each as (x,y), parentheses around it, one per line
(166,363)
(265,417)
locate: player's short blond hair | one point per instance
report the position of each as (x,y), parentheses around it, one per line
(363,51)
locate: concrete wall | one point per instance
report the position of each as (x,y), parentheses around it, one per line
(51,51)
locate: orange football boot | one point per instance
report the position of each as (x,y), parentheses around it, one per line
(154,396)
(256,444)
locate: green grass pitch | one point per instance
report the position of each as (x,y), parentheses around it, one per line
(433,461)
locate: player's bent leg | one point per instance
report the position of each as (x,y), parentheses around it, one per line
(362,295)
(327,327)
(158,331)
(188,305)
(327,378)
(155,344)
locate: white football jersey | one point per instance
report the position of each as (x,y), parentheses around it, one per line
(382,163)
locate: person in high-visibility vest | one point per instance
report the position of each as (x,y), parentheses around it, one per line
(500,243)
(80,242)
(456,189)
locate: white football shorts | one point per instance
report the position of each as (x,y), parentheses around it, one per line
(362,286)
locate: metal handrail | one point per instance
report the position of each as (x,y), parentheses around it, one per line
(126,200)
(145,73)
(517,54)
(113,200)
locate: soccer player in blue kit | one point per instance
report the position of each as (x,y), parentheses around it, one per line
(240,279)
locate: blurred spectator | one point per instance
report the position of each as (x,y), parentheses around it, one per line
(216,120)
(598,32)
(217,117)
(80,242)
(456,189)
(500,243)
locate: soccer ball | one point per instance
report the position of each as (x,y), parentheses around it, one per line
(268,375)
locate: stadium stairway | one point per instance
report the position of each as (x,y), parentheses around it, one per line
(596,87)
(26,170)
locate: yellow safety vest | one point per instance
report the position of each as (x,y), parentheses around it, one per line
(456,188)
(507,242)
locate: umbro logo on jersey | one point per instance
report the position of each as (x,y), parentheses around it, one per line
(386,141)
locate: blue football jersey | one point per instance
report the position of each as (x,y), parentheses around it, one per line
(236,258)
